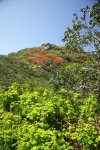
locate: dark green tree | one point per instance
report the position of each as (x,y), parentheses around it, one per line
(85,30)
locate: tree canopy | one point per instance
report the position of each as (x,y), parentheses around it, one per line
(85,29)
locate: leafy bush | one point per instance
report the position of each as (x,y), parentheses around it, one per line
(41,120)
(83,78)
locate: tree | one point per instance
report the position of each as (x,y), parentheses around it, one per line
(85,30)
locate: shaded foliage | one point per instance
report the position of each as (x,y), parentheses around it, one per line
(83,78)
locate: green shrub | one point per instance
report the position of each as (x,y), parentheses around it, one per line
(40,120)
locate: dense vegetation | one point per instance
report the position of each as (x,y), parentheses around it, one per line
(37,65)
(50,98)
(55,106)
(40,120)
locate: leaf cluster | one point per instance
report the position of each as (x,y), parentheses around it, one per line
(40,120)
(85,30)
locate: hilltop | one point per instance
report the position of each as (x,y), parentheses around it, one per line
(42,55)
(50,54)
(42,66)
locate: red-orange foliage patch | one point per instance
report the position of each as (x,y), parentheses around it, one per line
(41,58)
(50,55)
(57,60)
(39,62)
(37,54)
(44,58)
(31,51)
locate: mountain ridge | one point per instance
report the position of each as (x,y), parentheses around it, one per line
(38,64)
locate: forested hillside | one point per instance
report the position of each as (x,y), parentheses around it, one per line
(40,65)
(50,106)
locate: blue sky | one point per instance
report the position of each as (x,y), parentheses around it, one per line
(29,23)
